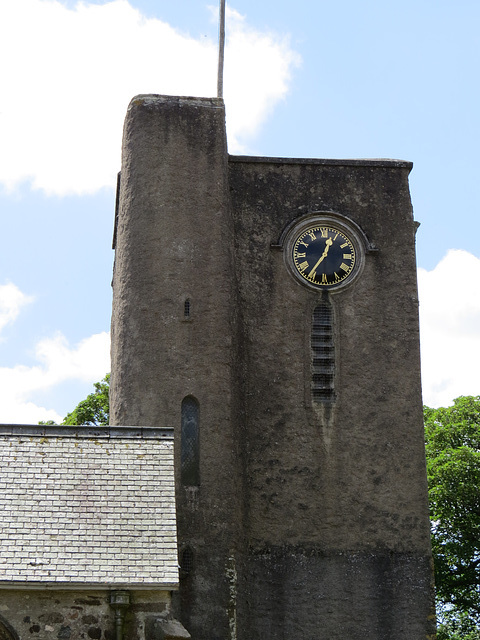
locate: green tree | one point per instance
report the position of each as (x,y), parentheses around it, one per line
(457,626)
(94,410)
(453,465)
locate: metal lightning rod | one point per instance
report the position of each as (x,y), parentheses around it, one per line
(221,49)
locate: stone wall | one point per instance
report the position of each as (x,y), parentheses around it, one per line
(81,615)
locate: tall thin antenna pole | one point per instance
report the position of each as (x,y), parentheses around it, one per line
(221,49)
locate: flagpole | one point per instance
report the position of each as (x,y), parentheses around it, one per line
(221,49)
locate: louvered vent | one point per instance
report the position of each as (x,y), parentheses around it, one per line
(323,354)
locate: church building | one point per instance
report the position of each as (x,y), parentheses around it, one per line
(263,477)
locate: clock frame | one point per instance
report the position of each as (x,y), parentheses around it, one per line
(324,251)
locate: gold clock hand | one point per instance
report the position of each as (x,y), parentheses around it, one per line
(328,244)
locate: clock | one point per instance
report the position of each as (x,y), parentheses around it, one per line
(324,252)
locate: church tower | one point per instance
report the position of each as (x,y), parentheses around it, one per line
(266,308)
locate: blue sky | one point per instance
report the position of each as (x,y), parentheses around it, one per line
(348,79)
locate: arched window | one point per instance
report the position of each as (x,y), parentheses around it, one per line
(190,442)
(187,561)
(323,354)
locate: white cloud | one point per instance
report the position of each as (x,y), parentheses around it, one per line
(450,328)
(88,361)
(71,74)
(258,68)
(11,301)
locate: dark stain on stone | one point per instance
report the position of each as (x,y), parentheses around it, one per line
(155,607)
(91,600)
(64,633)
(35,628)
(26,619)
(51,618)
(95,633)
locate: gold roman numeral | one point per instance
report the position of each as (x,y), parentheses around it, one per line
(303,266)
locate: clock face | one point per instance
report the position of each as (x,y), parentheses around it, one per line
(323,256)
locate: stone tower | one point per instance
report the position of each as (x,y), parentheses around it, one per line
(267,310)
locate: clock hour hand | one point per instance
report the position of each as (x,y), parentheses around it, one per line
(328,244)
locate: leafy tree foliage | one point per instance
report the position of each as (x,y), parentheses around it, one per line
(453,467)
(94,410)
(457,626)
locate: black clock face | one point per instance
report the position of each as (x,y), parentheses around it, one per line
(323,256)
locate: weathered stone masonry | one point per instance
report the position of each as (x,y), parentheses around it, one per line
(303,519)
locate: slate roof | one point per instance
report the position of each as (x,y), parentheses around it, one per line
(87,506)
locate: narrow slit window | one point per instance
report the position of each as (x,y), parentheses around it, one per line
(186,308)
(190,442)
(323,354)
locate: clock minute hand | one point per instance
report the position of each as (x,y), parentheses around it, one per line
(328,244)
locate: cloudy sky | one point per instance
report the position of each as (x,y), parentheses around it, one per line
(302,79)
